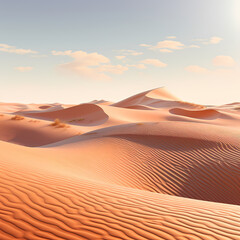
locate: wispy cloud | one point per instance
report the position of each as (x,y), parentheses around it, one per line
(120,57)
(138,66)
(215,40)
(171,37)
(165,46)
(219,73)
(219,61)
(170,44)
(165,50)
(23,69)
(126,52)
(145,45)
(154,62)
(194,46)
(212,40)
(196,69)
(224,61)
(89,65)
(13,49)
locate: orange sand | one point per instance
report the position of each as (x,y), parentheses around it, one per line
(148,167)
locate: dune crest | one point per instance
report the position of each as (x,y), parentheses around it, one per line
(201,114)
(147,97)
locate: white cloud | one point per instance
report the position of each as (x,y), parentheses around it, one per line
(154,62)
(196,69)
(199,40)
(194,46)
(219,61)
(130,52)
(170,44)
(89,65)
(224,61)
(120,57)
(136,53)
(62,53)
(215,40)
(87,59)
(212,40)
(116,69)
(13,49)
(144,45)
(39,56)
(139,66)
(23,69)
(165,46)
(219,73)
(165,50)
(2,45)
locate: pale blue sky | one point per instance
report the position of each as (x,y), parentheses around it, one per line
(202,67)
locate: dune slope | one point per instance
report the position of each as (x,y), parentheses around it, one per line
(173,158)
(49,205)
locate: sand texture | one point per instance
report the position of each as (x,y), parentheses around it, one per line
(148,167)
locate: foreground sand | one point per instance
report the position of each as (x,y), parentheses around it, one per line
(148,167)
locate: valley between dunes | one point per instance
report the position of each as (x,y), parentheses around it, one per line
(148,167)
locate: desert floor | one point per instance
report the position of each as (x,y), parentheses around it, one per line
(149,167)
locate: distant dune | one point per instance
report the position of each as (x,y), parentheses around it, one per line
(148,167)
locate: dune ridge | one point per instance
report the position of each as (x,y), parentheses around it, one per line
(147,97)
(202,114)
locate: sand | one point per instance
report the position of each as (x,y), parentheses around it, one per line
(149,167)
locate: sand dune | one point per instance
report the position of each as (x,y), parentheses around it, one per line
(11,107)
(32,132)
(84,113)
(147,98)
(164,107)
(153,157)
(156,98)
(148,167)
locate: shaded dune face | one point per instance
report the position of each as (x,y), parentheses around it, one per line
(180,166)
(140,107)
(45,107)
(201,114)
(148,167)
(210,171)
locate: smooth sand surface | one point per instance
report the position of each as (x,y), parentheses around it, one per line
(148,167)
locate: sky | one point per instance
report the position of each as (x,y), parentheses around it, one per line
(74,51)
